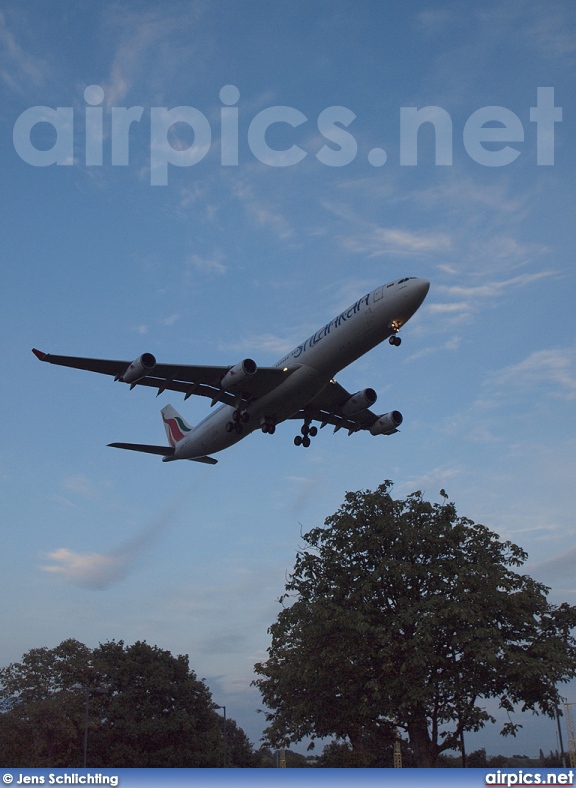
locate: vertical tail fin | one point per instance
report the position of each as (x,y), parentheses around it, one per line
(176,427)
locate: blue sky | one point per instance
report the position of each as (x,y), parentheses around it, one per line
(226,261)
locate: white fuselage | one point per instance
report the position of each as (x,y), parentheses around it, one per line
(312,364)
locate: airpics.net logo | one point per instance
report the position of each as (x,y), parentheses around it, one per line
(183,136)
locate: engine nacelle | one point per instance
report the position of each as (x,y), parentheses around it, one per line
(138,369)
(238,374)
(387,424)
(359,401)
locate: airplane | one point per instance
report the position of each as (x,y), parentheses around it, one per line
(301,385)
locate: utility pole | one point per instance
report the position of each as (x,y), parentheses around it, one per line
(571,738)
(224,736)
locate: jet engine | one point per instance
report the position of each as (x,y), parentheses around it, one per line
(359,401)
(238,373)
(387,424)
(138,369)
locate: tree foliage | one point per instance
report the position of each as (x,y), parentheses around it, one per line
(146,708)
(400,614)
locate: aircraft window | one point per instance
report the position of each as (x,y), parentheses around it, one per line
(405,280)
(390,285)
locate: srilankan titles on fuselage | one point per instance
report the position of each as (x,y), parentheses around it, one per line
(372,305)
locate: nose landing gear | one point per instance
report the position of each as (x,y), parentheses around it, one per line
(395,339)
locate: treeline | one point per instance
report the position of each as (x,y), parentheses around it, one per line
(400,619)
(479,760)
(113,706)
(341,755)
(139,706)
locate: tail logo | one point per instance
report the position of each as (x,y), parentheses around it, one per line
(176,429)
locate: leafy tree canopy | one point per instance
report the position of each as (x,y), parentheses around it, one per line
(146,709)
(402,615)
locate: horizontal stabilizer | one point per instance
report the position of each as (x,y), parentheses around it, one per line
(207,460)
(164,451)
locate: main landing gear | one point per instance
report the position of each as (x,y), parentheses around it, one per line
(268,426)
(239,418)
(307,433)
(395,340)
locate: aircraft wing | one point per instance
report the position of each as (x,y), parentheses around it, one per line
(204,381)
(326,408)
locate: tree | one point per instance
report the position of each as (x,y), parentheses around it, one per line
(146,708)
(400,614)
(240,752)
(42,718)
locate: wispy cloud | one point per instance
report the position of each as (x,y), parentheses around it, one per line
(494,289)
(473,297)
(380,241)
(21,68)
(273,220)
(449,309)
(80,485)
(90,570)
(462,196)
(150,48)
(263,214)
(550,29)
(98,571)
(374,240)
(451,344)
(206,265)
(553,369)
(559,569)
(263,342)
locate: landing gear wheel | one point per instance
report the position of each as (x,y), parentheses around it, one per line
(236,415)
(313,432)
(305,430)
(238,427)
(394,340)
(230,426)
(306,442)
(268,425)
(298,440)
(245,417)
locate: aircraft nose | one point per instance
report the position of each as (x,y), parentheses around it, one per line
(419,291)
(423,287)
